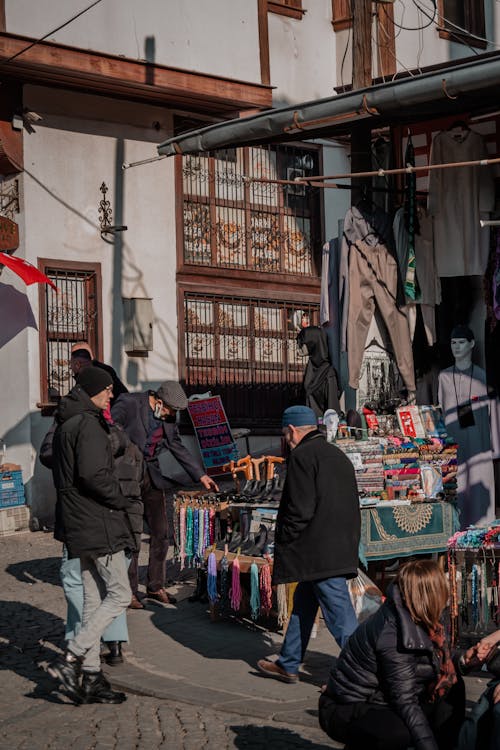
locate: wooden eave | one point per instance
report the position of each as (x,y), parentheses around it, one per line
(48,63)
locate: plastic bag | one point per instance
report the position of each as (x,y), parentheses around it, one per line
(366,597)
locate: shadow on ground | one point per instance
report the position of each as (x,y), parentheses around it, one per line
(257,738)
(30,636)
(44,570)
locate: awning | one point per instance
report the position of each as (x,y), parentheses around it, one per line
(469,87)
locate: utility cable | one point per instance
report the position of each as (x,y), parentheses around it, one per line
(49,33)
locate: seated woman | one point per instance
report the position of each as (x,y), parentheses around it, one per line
(394,684)
(481,728)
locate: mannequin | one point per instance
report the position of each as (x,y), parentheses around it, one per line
(467,408)
(320,379)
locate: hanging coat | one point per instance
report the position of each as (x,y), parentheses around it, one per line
(320,379)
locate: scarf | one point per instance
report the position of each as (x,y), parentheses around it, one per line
(447,676)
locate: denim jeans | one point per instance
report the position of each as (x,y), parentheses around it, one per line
(332,595)
(106,594)
(71,579)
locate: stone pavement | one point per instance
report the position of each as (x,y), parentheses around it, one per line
(191,682)
(192,679)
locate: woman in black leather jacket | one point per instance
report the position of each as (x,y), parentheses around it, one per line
(394,684)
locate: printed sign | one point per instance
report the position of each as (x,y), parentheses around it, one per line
(217,445)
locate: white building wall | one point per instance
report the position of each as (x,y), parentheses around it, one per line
(66,160)
(302,54)
(219,37)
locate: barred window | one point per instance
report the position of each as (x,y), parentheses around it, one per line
(237,215)
(72,314)
(245,349)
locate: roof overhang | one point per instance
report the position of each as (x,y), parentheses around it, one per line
(49,63)
(473,86)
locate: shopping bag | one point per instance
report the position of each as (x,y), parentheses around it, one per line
(366,597)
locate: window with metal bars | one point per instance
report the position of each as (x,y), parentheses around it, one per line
(245,350)
(70,315)
(238,215)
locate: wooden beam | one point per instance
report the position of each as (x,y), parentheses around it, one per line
(265,66)
(361,44)
(111,75)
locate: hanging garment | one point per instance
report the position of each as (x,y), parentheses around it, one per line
(411,223)
(374,278)
(476,485)
(320,379)
(457,199)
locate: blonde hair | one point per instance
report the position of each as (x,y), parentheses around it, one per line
(424,590)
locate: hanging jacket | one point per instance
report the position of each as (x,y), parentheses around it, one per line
(90,507)
(320,383)
(389,660)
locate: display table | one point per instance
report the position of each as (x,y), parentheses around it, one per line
(403,530)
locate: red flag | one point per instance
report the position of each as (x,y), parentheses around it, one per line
(28,273)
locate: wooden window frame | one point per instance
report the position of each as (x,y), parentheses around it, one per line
(475,6)
(341,15)
(245,272)
(65,266)
(290,8)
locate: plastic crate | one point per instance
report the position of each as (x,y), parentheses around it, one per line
(11,489)
(13,520)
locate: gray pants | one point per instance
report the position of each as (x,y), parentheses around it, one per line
(106,594)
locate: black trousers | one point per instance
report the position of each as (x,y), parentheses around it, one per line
(363,725)
(155,515)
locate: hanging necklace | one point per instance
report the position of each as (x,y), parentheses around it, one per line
(459,393)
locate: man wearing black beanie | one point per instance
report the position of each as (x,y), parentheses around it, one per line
(91,521)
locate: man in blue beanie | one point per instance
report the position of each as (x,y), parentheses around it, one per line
(316,540)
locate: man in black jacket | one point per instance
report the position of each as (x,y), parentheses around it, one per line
(316,540)
(91,521)
(149,421)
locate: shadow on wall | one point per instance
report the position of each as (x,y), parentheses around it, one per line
(15,313)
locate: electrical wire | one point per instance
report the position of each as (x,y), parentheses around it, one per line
(459,29)
(413,28)
(387,47)
(345,50)
(49,33)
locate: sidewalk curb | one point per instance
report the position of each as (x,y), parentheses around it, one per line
(137,681)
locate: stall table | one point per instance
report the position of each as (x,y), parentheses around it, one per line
(393,531)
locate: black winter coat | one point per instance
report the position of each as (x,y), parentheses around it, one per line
(131,411)
(90,508)
(389,660)
(318,524)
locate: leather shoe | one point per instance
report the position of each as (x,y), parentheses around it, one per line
(96,689)
(161,596)
(115,655)
(135,603)
(273,669)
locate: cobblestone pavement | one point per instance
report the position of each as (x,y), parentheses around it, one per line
(34,717)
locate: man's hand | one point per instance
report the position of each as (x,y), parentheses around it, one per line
(208,483)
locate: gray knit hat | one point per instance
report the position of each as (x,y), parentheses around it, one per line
(172,394)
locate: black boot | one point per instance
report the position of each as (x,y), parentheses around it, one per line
(96,689)
(115,655)
(67,670)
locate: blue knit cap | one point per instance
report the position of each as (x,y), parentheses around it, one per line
(299,416)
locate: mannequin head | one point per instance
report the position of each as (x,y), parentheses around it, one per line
(462,344)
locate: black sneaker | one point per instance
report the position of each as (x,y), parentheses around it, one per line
(67,670)
(96,689)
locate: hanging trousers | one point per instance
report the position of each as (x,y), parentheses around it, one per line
(373,280)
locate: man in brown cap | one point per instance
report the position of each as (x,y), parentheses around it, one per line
(149,419)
